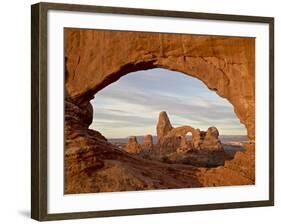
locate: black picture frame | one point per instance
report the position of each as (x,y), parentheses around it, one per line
(39,110)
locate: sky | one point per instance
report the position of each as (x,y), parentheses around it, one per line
(130,106)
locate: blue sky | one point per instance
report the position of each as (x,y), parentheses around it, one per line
(130,106)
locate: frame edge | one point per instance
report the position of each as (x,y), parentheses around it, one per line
(154,12)
(271,111)
(38,112)
(35,191)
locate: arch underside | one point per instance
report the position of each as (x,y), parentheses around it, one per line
(95,59)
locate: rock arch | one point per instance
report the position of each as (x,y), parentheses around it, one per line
(95,59)
(182,131)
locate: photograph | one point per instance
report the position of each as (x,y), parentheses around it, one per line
(135,111)
(154,111)
(140,111)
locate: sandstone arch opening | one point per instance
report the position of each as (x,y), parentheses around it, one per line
(95,59)
(144,94)
(203,57)
(126,113)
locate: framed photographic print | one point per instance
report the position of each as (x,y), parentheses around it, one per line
(139,111)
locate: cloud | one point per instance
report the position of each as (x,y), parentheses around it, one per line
(137,98)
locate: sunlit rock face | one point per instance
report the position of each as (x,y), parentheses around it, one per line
(94,59)
(163,126)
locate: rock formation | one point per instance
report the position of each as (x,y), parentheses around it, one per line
(174,139)
(94,59)
(204,150)
(133,146)
(147,143)
(211,140)
(163,126)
